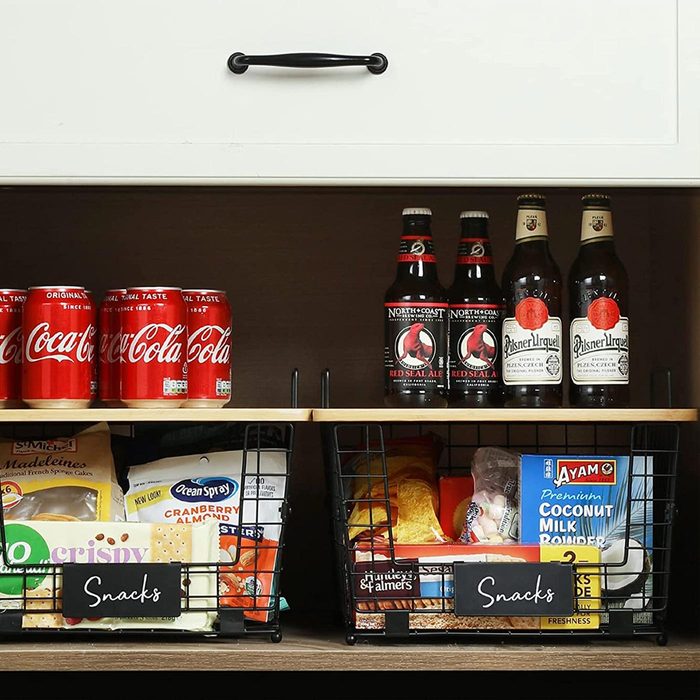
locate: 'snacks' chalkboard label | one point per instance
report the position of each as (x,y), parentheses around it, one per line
(513,589)
(127,590)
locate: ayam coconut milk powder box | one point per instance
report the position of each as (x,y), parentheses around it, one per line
(567,499)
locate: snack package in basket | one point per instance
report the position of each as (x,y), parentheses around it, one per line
(411,465)
(492,515)
(106,543)
(199,487)
(420,579)
(455,496)
(61,479)
(250,581)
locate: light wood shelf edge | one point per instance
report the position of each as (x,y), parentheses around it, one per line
(307,652)
(503,415)
(149,415)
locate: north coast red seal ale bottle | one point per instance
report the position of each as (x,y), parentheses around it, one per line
(476,309)
(415,321)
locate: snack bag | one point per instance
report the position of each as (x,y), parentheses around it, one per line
(250,582)
(70,478)
(194,488)
(39,592)
(455,496)
(412,494)
(492,516)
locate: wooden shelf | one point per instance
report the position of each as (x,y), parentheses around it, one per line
(505,415)
(304,651)
(150,415)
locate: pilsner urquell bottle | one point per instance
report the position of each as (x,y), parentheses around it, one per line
(476,316)
(599,330)
(415,322)
(532,333)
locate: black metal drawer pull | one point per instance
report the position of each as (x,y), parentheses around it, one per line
(375,63)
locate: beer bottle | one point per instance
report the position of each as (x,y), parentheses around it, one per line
(599,318)
(415,322)
(532,331)
(475,319)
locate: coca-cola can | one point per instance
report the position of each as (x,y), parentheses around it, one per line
(153,347)
(59,334)
(93,381)
(109,332)
(208,348)
(11,303)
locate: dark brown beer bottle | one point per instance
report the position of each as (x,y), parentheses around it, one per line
(476,317)
(415,322)
(599,331)
(532,331)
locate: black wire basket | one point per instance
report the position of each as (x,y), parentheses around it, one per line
(235,601)
(393,590)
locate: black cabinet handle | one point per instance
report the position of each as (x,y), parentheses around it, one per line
(375,63)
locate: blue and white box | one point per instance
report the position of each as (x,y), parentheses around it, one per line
(584,499)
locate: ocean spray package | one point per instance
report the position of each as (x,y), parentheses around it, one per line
(569,499)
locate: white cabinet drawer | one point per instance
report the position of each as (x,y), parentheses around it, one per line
(501,92)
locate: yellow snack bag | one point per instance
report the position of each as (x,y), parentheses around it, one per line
(61,479)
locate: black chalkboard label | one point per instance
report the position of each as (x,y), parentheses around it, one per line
(513,589)
(124,590)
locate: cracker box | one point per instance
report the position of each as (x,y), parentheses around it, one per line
(37,542)
(583,500)
(381,585)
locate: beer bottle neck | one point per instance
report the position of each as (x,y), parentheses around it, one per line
(474,259)
(596,226)
(416,256)
(531,225)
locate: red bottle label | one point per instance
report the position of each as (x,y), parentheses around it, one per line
(531,313)
(603,313)
(416,249)
(474,251)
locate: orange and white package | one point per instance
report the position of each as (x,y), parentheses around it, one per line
(248,583)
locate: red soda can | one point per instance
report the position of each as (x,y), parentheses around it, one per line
(153,347)
(11,303)
(208,348)
(93,381)
(109,330)
(59,337)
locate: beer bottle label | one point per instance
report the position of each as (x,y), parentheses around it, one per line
(416,248)
(532,345)
(474,251)
(474,333)
(416,346)
(600,345)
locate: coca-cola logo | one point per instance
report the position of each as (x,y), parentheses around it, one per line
(11,347)
(155,342)
(74,346)
(110,347)
(210,344)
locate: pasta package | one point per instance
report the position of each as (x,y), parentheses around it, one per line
(412,495)
(61,479)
